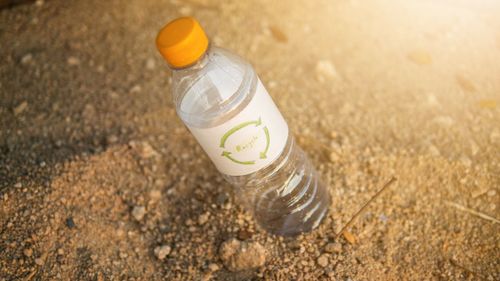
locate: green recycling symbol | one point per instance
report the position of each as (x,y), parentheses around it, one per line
(228,154)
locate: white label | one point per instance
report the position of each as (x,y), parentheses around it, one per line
(249,141)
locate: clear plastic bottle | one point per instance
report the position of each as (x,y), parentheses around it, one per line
(223,103)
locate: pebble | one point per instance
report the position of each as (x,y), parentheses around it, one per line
(28,252)
(150,64)
(73,61)
(162,251)
(138,212)
(213,267)
(70,223)
(323,260)
(144,149)
(39,261)
(325,70)
(334,157)
(26,59)
(203,218)
(333,248)
(155,195)
(20,108)
(237,255)
(111,139)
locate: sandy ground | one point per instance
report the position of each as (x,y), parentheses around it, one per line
(99,180)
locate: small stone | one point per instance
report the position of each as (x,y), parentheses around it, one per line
(349,237)
(333,248)
(39,261)
(18,185)
(138,212)
(325,70)
(60,251)
(150,64)
(20,108)
(237,255)
(203,218)
(26,59)
(28,252)
(144,149)
(155,195)
(213,267)
(334,157)
(323,260)
(162,251)
(70,223)
(111,139)
(73,61)
(185,11)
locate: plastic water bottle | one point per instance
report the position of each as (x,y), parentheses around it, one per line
(223,103)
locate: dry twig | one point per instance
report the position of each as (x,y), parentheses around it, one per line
(470,211)
(387,184)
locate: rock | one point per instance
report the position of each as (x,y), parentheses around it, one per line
(39,261)
(213,267)
(237,255)
(144,149)
(333,248)
(323,260)
(155,195)
(334,157)
(26,59)
(73,61)
(325,70)
(203,218)
(150,64)
(70,223)
(161,252)
(28,252)
(138,212)
(111,139)
(20,108)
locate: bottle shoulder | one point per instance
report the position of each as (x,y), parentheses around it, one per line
(212,90)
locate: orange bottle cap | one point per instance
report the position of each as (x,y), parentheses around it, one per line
(182,41)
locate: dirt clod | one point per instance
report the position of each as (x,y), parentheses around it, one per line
(237,255)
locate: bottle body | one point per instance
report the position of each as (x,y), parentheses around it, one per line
(226,107)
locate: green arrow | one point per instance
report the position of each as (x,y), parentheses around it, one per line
(236,128)
(228,155)
(263,153)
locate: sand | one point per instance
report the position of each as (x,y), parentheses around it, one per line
(99,180)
